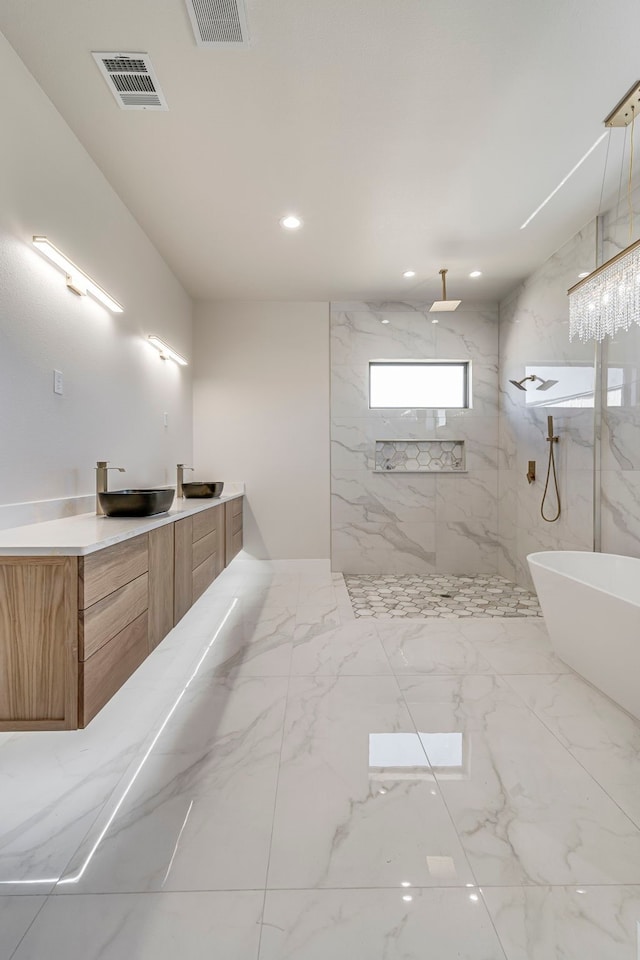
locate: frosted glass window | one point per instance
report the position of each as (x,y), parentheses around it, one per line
(423,384)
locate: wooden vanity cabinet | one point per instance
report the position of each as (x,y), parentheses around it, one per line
(74,629)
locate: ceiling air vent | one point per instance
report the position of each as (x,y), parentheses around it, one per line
(132,80)
(219,23)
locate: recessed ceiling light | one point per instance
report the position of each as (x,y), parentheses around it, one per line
(409,273)
(581,276)
(384,321)
(476,273)
(291,222)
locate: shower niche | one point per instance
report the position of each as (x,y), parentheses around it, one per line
(420,456)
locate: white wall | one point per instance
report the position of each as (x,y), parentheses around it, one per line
(116,387)
(261,414)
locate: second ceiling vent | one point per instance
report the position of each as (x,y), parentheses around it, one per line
(132,80)
(219,23)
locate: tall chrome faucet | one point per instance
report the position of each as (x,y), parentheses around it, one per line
(181,467)
(101,481)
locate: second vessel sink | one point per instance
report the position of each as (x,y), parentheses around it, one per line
(136,503)
(202,489)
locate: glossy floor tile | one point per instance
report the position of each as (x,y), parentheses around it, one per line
(351,649)
(394,924)
(208,785)
(16,916)
(159,926)
(513,646)
(602,736)
(283,780)
(356,792)
(540,923)
(525,810)
(416,647)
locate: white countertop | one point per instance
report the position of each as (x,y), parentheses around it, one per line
(86,532)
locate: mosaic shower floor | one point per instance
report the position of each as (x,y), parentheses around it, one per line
(384,597)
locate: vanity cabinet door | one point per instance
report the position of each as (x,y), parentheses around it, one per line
(161,592)
(233,537)
(183,593)
(38,643)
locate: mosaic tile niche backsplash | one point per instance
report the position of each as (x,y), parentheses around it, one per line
(421,456)
(404,520)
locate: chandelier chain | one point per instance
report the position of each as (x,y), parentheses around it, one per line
(629,202)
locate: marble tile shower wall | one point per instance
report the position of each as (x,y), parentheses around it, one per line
(416,523)
(534,333)
(620,467)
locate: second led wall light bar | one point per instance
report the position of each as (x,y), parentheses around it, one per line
(167,352)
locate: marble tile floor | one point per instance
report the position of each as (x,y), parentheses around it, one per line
(439,595)
(283,781)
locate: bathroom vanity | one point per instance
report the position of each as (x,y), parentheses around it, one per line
(84,600)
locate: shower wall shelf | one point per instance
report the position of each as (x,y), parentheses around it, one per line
(420,456)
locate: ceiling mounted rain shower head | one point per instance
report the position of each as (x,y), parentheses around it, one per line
(438,306)
(544,384)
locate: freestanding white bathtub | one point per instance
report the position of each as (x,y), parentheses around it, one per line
(591,606)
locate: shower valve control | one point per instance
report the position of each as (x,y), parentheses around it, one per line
(531,472)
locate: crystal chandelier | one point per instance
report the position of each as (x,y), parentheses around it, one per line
(608,299)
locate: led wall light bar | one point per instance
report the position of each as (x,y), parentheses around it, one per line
(77,279)
(167,352)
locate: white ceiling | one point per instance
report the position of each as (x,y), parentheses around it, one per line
(406,133)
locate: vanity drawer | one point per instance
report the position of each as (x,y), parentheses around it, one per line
(205,523)
(204,548)
(102,675)
(236,507)
(204,575)
(105,571)
(235,545)
(106,618)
